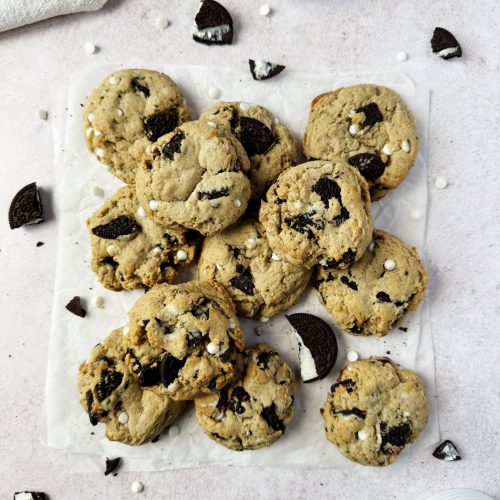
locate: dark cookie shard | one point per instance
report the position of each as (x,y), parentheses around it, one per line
(243,282)
(212,24)
(108,382)
(303,223)
(160,124)
(269,415)
(136,83)
(326,189)
(26,207)
(445,45)
(318,337)
(372,114)
(40,243)
(392,437)
(173,146)
(213,195)
(75,306)
(370,165)
(351,284)
(169,369)
(111,465)
(121,226)
(30,495)
(238,396)
(256,137)
(383,297)
(263,70)
(447,451)
(353,411)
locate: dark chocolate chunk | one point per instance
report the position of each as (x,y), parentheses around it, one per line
(243,282)
(269,415)
(75,306)
(136,83)
(40,243)
(160,124)
(238,396)
(121,226)
(349,283)
(213,195)
(347,384)
(110,261)
(109,381)
(319,338)
(212,24)
(191,236)
(370,165)
(263,70)
(326,189)
(26,207)
(111,465)
(447,451)
(263,359)
(347,259)
(89,397)
(30,495)
(399,303)
(383,297)
(372,114)
(212,384)
(394,436)
(303,223)
(173,146)
(255,137)
(352,411)
(170,367)
(445,45)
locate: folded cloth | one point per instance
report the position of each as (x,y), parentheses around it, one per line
(14,13)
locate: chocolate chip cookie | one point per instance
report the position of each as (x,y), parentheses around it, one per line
(130,250)
(268,143)
(370,127)
(373,295)
(254,411)
(374,410)
(318,212)
(109,393)
(126,113)
(195,177)
(260,283)
(188,337)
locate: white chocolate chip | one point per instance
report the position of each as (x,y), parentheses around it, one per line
(173,431)
(406,414)
(264,9)
(157,249)
(98,302)
(215,203)
(405,146)
(352,112)
(153,204)
(251,243)
(97,133)
(123,418)
(440,183)
(137,487)
(212,124)
(182,255)
(112,80)
(90,117)
(213,93)
(111,249)
(162,23)
(402,56)
(125,330)
(387,149)
(141,212)
(371,247)
(99,152)
(275,257)
(297,204)
(390,265)
(264,319)
(237,203)
(89,131)
(172,309)
(219,267)
(89,48)
(42,114)
(245,106)
(353,129)
(415,215)
(362,436)
(119,111)
(213,348)
(231,325)
(97,191)
(352,356)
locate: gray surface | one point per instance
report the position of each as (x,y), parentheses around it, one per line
(462,243)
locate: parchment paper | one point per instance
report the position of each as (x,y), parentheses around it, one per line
(77,171)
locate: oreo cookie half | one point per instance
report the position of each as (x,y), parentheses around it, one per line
(447,451)
(445,45)
(318,348)
(26,207)
(263,70)
(213,24)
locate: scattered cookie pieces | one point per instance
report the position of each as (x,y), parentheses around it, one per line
(90,48)
(30,495)
(263,70)
(445,45)
(98,302)
(43,114)
(97,191)
(317,346)
(111,465)
(26,207)
(213,24)
(75,306)
(40,243)
(447,451)
(137,487)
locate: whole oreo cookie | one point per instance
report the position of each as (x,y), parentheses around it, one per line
(26,207)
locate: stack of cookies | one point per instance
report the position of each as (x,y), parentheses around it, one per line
(226,191)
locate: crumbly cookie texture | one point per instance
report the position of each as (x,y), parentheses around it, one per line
(318,212)
(373,295)
(374,410)
(252,412)
(268,143)
(195,177)
(188,335)
(370,127)
(110,394)
(130,250)
(128,111)
(260,283)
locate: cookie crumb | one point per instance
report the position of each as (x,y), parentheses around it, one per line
(137,487)
(97,191)
(111,465)
(173,431)
(90,48)
(42,114)
(40,243)
(258,331)
(98,302)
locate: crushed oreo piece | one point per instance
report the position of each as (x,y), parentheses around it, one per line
(317,342)
(372,115)
(347,384)
(26,207)
(160,124)
(263,359)
(353,411)
(396,436)
(255,137)
(326,189)
(238,396)
(383,297)
(120,226)
(263,70)
(342,216)
(445,45)
(351,284)
(173,146)
(213,24)
(30,495)
(136,83)
(40,243)
(370,165)
(213,195)
(110,261)
(447,451)
(243,282)
(149,375)
(111,465)
(303,223)
(269,415)
(109,381)
(346,260)
(169,369)
(89,398)
(75,306)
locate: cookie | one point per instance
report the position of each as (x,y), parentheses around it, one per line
(374,294)
(195,177)
(374,410)
(259,282)
(126,113)
(188,337)
(252,412)
(110,394)
(370,127)
(445,45)
(318,211)
(130,250)
(268,143)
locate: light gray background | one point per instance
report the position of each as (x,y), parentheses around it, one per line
(463,229)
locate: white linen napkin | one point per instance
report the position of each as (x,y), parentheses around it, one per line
(14,13)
